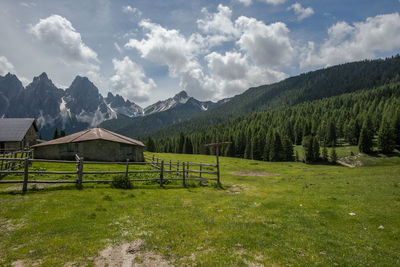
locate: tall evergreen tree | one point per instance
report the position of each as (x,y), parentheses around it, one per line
(188,147)
(324,153)
(62,133)
(181,143)
(365,141)
(287,149)
(307,148)
(331,137)
(55,134)
(151,146)
(396,128)
(276,151)
(386,137)
(315,148)
(334,156)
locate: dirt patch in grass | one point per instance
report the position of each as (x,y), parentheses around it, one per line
(129,254)
(254,173)
(351,161)
(237,188)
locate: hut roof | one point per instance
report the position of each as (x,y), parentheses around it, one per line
(92,134)
(14,129)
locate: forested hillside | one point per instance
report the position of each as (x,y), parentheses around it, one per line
(332,81)
(269,135)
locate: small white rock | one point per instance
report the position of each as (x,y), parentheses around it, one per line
(301,205)
(352,214)
(381,227)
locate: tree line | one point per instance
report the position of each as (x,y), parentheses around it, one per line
(365,118)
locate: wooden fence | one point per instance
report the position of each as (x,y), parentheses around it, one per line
(6,159)
(182,171)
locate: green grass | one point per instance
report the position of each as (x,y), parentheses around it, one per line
(299,217)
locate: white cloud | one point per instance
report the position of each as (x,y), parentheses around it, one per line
(232,73)
(267,45)
(133,10)
(245,2)
(166,47)
(361,40)
(300,11)
(218,26)
(130,81)
(263,50)
(59,32)
(273,2)
(6,66)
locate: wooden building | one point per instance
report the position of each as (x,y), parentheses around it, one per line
(17,133)
(94,144)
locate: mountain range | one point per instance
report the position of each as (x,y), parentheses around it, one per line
(81,106)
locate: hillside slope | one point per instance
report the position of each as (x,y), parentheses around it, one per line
(323,83)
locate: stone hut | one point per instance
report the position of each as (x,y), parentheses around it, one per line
(96,144)
(17,133)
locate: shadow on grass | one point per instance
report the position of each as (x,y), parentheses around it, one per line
(148,186)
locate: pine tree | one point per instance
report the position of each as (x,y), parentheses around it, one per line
(268,146)
(151,147)
(230,151)
(386,137)
(396,128)
(315,149)
(365,140)
(331,134)
(334,156)
(276,151)
(55,134)
(287,149)
(188,147)
(308,148)
(62,133)
(324,153)
(181,143)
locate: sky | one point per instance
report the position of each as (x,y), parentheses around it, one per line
(150,50)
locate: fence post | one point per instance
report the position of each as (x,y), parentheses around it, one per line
(127,168)
(187,169)
(14,162)
(177,167)
(79,169)
(170,165)
(153,158)
(162,173)
(1,166)
(200,170)
(26,166)
(7,165)
(183,173)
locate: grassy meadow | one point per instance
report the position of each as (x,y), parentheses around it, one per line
(299,214)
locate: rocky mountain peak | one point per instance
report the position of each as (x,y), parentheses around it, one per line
(181,97)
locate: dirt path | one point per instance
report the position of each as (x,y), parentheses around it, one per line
(129,255)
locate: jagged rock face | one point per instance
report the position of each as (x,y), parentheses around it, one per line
(41,98)
(127,108)
(83,95)
(10,86)
(81,105)
(180,98)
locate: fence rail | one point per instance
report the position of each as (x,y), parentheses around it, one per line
(179,170)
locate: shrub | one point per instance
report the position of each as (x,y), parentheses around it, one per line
(121,182)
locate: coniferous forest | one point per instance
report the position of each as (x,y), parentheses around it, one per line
(365,118)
